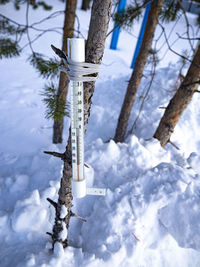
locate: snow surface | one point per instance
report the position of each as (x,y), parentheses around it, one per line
(150,215)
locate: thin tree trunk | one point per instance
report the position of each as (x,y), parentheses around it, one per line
(179,102)
(101,12)
(68,32)
(100,16)
(85,5)
(138,70)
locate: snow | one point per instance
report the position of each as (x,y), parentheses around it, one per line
(151,212)
(63,212)
(193,161)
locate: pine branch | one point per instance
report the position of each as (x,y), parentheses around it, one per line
(125,19)
(48,68)
(43,4)
(7,28)
(3,2)
(8,48)
(24,26)
(56,107)
(171,11)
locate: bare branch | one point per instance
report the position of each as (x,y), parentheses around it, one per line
(153,72)
(54,204)
(49,234)
(170,142)
(188,84)
(13,21)
(186,38)
(78,27)
(37,37)
(86,165)
(77,216)
(27,22)
(53,15)
(187,25)
(169,47)
(171,31)
(59,52)
(55,154)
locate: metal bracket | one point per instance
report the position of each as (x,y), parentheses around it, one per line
(96,191)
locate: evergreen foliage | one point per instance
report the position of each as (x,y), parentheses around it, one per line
(47,68)
(33,3)
(50,100)
(8,48)
(3,2)
(43,4)
(7,28)
(171,11)
(125,19)
(56,106)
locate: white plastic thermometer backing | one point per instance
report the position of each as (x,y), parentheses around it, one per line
(77,72)
(76,52)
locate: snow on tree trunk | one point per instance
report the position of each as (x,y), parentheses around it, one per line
(100,16)
(138,70)
(68,32)
(179,102)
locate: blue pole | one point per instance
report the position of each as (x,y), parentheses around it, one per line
(115,35)
(139,41)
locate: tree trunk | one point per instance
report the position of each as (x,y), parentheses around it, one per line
(179,102)
(85,5)
(101,12)
(100,16)
(68,32)
(138,70)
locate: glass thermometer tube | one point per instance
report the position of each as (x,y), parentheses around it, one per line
(77,130)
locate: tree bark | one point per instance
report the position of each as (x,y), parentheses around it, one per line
(138,70)
(101,12)
(100,16)
(85,5)
(179,102)
(68,32)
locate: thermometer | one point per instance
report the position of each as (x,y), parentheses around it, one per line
(78,71)
(76,52)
